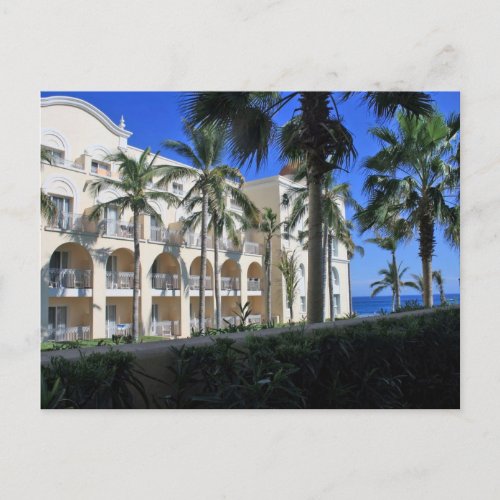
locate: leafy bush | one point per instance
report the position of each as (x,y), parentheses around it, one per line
(410,305)
(410,362)
(98,380)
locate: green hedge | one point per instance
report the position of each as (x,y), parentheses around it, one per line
(411,362)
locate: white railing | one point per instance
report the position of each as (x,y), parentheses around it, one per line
(119,279)
(206,323)
(120,228)
(194,282)
(254,319)
(228,245)
(67,221)
(254,285)
(71,333)
(119,329)
(165,281)
(229,283)
(232,320)
(252,247)
(70,278)
(194,240)
(166,328)
(163,235)
(61,162)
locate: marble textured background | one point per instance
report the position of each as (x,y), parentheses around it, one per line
(235,44)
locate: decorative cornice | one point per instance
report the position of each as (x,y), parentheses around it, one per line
(89,108)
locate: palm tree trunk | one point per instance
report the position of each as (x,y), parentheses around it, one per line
(397,292)
(203,263)
(442,297)
(315,300)
(137,282)
(218,312)
(349,283)
(426,249)
(330,278)
(267,262)
(324,267)
(393,301)
(315,112)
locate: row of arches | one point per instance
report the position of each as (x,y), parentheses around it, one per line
(72,266)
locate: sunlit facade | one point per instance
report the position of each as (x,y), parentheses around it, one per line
(87,266)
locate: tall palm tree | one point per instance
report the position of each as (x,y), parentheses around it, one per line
(270,227)
(315,133)
(414,176)
(212,181)
(334,223)
(289,268)
(438,278)
(392,276)
(221,218)
(393,233)
(136,174)
(418,283)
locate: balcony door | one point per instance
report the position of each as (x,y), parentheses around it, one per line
(57,320)
(62,211)
(58,262)
(111,320)
(111,221)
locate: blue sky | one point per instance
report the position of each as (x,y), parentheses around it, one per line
(155,116)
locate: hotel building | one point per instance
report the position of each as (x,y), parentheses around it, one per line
(86,266)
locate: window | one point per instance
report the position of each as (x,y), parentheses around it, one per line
(154,313)
(302,304)
(100,168)
(302,289)
(177,188)
(57,320)
(63,215)
(55,156)
(111,320)
(111,221)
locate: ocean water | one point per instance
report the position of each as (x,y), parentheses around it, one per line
(367,306)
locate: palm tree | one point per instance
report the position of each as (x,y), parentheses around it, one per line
(315,133)
(418,283)
(270,227)
(438,278)
(47,207)
(289,268)
(222,219)
(414,177)
(136,174)
(392,276)
(333,196)
(394,232)
(212,182)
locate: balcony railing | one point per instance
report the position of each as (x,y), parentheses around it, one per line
(229,283)
(194,282)
(234,204)
(120,228)
(61,162)
(70,278)
(254,285)
(231,320)
(67,221)
(119,280)
(194,240)
(118,329)
(252,247)
(254,319)
(166,328)
(64,333)
(163,235)
(228,245)
(165,281)
(206,323)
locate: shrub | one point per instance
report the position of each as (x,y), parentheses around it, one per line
(97,380)
(410,362)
